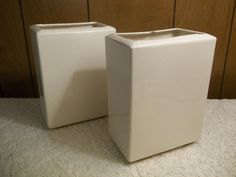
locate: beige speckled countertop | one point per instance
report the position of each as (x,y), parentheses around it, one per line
(86,150)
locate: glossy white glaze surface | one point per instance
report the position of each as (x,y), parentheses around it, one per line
(157,84)
(71,71)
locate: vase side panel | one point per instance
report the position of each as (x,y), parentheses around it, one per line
(119,87)
(169,90)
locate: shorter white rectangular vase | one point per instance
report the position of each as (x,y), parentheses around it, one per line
(157,89)
(71,71)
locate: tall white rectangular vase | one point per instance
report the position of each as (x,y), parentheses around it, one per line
(71,71)
(157,86)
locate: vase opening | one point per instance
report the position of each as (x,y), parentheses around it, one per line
(156,35)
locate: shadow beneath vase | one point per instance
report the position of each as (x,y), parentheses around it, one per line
(88,140)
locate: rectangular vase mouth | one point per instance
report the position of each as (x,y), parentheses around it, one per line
(157,35)
(68,27)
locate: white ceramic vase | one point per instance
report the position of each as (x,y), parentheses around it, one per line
(71,71)
(157,89)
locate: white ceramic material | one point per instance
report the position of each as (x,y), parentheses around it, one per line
(157,89)
(71,71)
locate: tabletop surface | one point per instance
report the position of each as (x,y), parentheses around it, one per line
(86,150)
